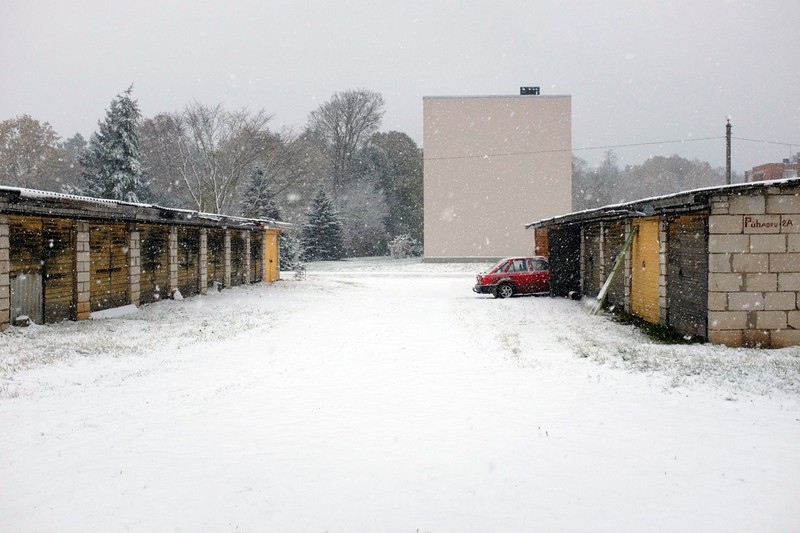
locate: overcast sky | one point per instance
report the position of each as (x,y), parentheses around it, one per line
(638,71)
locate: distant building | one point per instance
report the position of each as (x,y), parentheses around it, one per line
(789,168)
(489,162)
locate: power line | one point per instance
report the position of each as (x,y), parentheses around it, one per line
(606,147)
(647,144)
(535,152)
(766,142)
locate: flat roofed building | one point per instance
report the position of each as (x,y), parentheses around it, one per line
(489,161)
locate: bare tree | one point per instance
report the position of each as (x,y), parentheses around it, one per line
(160,141)
(209,151)
(343,124)
(30,154)
(294,170)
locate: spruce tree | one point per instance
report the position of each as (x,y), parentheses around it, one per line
(112,168)
(321,234)
(287,250)
(258,200)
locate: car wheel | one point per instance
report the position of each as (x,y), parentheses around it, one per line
(505,290)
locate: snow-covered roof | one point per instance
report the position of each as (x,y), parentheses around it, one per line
(34,194)
(693,198)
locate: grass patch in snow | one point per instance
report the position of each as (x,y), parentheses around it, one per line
(655,332)
(620,343)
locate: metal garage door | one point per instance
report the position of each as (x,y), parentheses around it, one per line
(565,260)
(687,274)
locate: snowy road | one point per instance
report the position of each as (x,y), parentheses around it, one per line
(392,402)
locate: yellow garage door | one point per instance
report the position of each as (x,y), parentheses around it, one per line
(272,253)
(645,270)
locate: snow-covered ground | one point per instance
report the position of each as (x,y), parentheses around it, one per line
(383,395)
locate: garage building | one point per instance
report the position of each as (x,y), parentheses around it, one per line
(66,257)
(720,263)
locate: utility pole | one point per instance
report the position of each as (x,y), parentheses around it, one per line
(728,152)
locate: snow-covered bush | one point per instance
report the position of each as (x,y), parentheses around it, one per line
(403,246)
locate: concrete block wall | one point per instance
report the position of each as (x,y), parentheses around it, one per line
(83,272)
(246,251)
(5,279)
(203,261)
(226,278)
(583,256)
(628,268)
(134,267)
(754,268)
(663,301)
(173,259)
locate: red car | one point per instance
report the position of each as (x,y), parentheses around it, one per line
(515,275)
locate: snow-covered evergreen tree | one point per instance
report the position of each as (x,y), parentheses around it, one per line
(258,201)
(111,164)
(288,250)
(321,234)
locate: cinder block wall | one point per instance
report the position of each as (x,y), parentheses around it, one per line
(754,268)
(663,303)
(5,268)
(83,271)
(134,266)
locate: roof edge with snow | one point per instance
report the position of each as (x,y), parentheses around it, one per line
(684,201)
(18,200)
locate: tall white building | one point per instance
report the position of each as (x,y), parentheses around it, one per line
(491,164)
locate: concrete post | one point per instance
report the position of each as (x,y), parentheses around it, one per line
(134,266)
(203,260)
(5,277)
(246,246)
(173,259)
(227,276)
(83,272)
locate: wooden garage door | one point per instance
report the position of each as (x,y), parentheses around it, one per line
(592,260)
(42,271)
(108,244)
(645,270)
(215,245)
(612,246)
(238,270)
(272,255)
(256,256)
(189,261)
(59,269)
(687,274)
(155,263)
